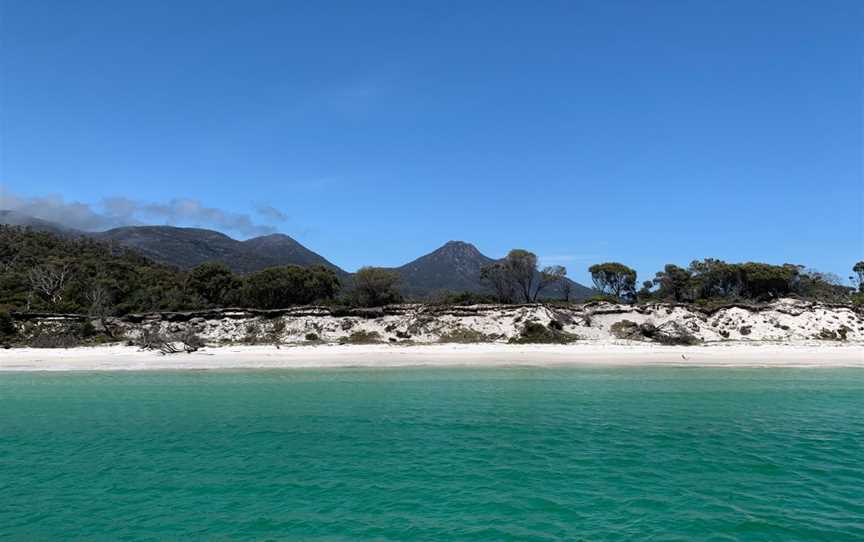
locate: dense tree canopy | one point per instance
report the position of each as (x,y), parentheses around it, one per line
(44,272)
(375,287)
(674,282)
(213,282)
(279,287)
(750,281)
(614,279)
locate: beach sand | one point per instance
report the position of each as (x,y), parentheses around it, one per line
(126,358)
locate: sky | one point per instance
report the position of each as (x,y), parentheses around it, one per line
(373,132)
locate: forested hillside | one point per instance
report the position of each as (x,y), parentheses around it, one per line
(44,272)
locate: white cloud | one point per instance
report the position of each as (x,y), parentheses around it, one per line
(118,211)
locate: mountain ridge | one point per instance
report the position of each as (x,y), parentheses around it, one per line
(453,267)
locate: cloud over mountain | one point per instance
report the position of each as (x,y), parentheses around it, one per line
(119,211)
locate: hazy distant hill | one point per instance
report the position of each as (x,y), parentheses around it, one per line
(455,267)
(14,218)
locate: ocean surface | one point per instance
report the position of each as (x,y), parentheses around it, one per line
(598,454)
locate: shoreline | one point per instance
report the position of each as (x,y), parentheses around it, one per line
(234,357)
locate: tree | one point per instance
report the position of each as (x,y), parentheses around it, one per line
(521,265)
(553,274)
(645,293)
(99,299)
(566,290)
(48,280)
(321,283)
(517,276)
(497,276)
(375,287)
(762,280)
(674,282)
(858,269)
(213,281)
(280,287)
(615,279)
(715,278)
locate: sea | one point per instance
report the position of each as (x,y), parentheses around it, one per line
(497,454)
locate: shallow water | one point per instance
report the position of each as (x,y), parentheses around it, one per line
(434,454)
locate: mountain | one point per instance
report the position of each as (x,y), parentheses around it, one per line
(14,218)
(455,267)
(188,247)
(279,248)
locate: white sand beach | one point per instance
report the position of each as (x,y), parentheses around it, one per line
(126,358)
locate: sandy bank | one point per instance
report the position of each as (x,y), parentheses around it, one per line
(122,358)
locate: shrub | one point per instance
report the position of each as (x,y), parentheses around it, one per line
(362,337)
(625,329)
(537,333)
(601,298)
(83,330)
(671,333)
(191,341)
(7,326)
(150,339)
(464,299)
(253,331)
(464,335)
(311,337)
(54,340)
(828,335)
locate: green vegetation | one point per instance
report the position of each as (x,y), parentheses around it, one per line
(710,280)
(362,337)
(279,287)
(537,333)
(213,282)
(463,299)
(517,278)
(464,335)
(858,269)
(375,287)
(614,279)
(43,272)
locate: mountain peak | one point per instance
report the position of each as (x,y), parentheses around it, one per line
(271,238)
(457,248)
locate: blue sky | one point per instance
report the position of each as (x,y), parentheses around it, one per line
(373,132)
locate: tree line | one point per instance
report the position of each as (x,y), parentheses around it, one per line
(43,272)
(712,279)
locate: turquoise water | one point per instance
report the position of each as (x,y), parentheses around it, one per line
(416,454)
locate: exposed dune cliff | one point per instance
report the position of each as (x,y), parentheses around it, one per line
(784,321)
